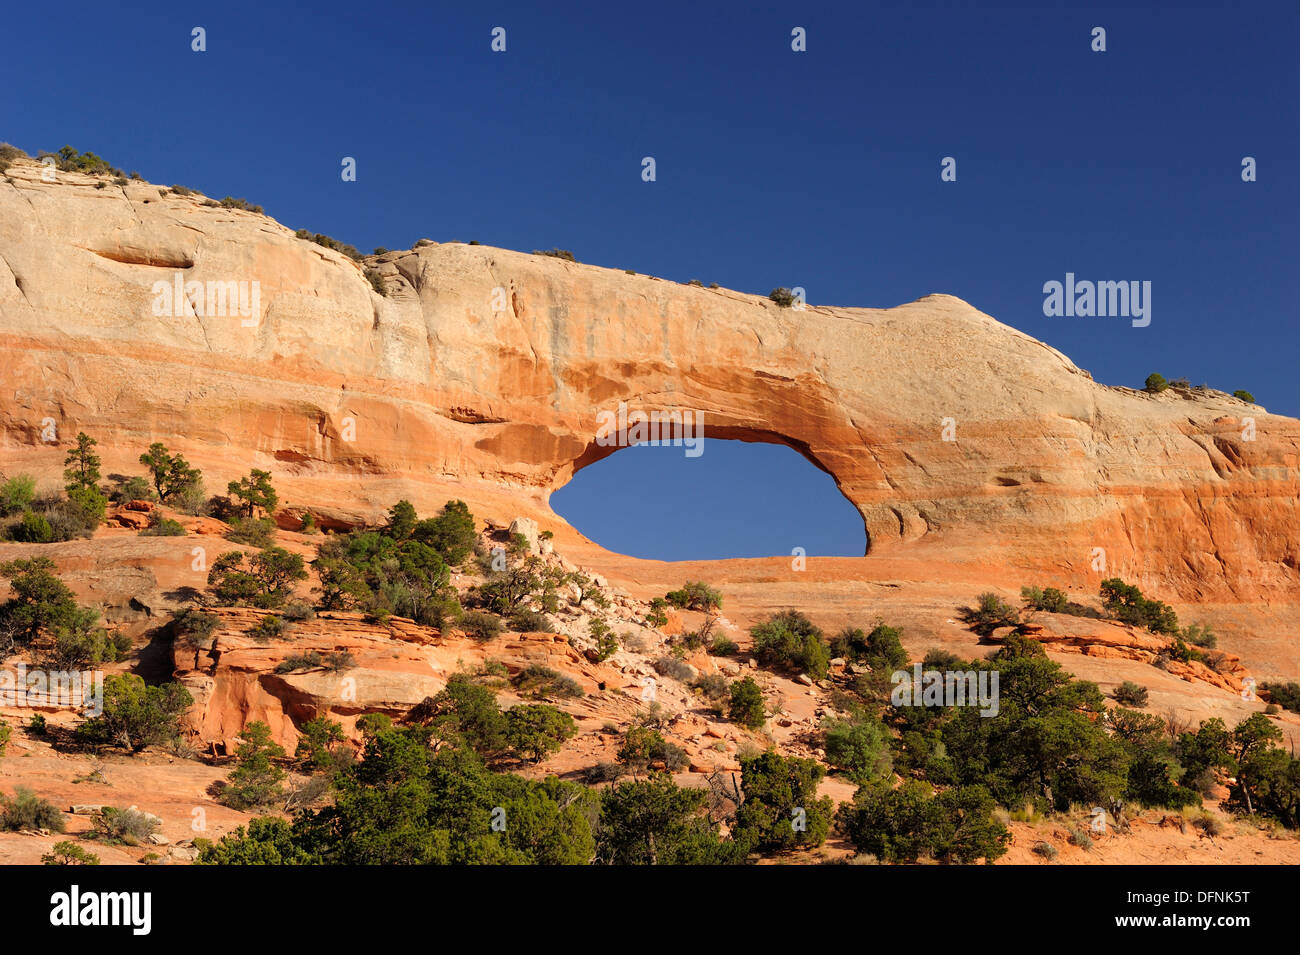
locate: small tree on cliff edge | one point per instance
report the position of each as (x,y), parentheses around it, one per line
(255,492)
(171,474)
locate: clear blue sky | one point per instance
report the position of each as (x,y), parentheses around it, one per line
(818,169)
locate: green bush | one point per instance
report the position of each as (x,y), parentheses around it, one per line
(253,531)
(376,280)
(1127,604)
(695,595)
(536,730)
(909,823)
(129,827)
(781,809)
(859,746)
(540,681)
(643,746)
(270,627)
(1284,694)
(163,527)
(26,810)
(1200,636)
(1244,396)
(242,204)
(255,781)
(556,254)
(1155,383)
(136,716)
(264,579)
(790,641)
(783,296)
(32,529)
(68,853)
(1131,694)
(16,494)
(990,613)
(675,669)
(747,706)
(301,661)
(481,626)
(530,621)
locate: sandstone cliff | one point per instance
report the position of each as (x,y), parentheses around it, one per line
(483,371)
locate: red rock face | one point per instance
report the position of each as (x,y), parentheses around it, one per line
(484,374)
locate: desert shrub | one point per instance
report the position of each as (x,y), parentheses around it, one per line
(340,661)
(163,527)
(881,649)
(530,621)
(783,296)
(1131,694)
(264,579)
(16,494)
(465,711)
(908,823)
(1200,636)
(643,746)
(1080,838)
(713,687)
(859,746)
(320,747)
(656,822)
(298,610)
(383,576)
(1046,850)
(36,726)
(1284,694)
(747,706)
(1155,383)
(674,669)
(695,595)
(990,613)
(270,627)
(129,827)
(1048,600)
(170,473)
(556,254)
(303,661)
(540,681)
(255,781)
(253,531)
(33,528)
(603,772)
(790,641)
(68,853)
(136,716)
(26,810)
(781,809)
(655,616)
(133,488)
(242,204)
(451,533)
(195,627)
(723,647)
(376,280)
(481,626)
(75,648)
(1127,604)
(1244,396)
(39,603)
(536,730)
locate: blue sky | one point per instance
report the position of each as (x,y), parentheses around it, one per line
(818,169)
